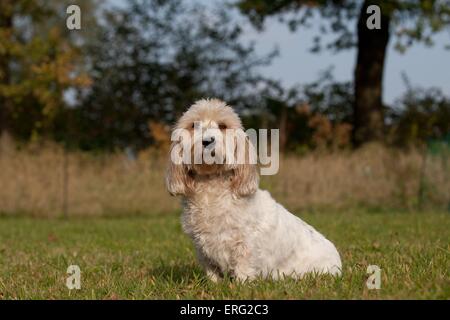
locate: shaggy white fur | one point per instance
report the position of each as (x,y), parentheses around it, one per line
(238,229)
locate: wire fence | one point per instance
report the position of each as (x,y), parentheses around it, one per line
(435,150)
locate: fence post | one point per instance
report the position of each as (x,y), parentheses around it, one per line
(421,193)
(65,195)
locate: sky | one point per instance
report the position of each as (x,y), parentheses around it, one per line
(425,66)
(295,65)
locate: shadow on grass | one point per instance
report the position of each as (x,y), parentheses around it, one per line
(179,272)
(183,272)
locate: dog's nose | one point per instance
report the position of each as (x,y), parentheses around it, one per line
(207,141)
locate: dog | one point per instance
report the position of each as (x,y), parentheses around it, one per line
(239,230)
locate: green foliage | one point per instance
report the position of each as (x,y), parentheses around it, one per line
(420,115)
(101,87)
(413,21)
(151,60)
(407,22)
(38,64)
(329,97)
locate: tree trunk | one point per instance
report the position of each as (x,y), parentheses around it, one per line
(368,121)
(6,24)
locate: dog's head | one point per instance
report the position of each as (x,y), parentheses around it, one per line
(209,140)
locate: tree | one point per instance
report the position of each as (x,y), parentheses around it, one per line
(409,21)
(420,115)
(368,108)
(6,23)
(153,58)
(38,62)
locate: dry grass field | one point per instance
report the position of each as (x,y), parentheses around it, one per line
(32,181)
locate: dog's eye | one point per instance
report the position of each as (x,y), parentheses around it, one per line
(222,126)
(193,125)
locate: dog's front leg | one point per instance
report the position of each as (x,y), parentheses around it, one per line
(212,272)
(243,272)
(242,269)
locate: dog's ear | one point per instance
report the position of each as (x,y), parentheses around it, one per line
(178,180)
(246,178)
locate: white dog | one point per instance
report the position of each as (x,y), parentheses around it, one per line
(237,228)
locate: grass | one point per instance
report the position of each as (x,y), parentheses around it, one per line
(32,180)
(148,257)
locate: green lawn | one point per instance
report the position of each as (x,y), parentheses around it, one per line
(150,258)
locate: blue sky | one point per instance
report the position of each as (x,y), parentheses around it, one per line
(424,66)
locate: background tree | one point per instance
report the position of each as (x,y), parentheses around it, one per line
(38,62)
(130,71)
(419,116)
(409,21)
(151,59)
